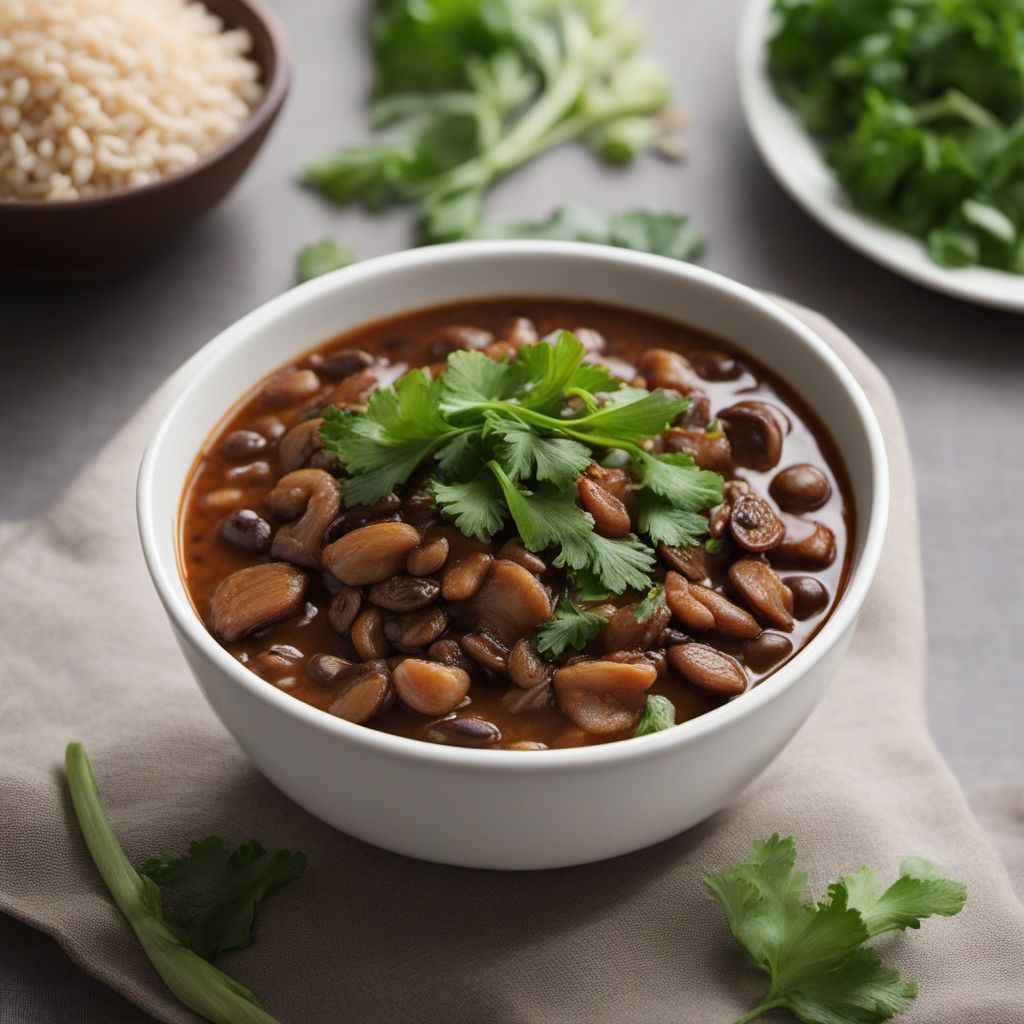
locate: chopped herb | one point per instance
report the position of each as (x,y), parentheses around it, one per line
(816,953)
(650,604)
(714,545)
(214,893)
(194,981)
(507,447)
(467,92)
(714,428)
(568,627)
(659,713)
(322,257)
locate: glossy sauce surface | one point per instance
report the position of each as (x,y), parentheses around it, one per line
(222,483)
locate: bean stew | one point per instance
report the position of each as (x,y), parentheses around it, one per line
(514,587)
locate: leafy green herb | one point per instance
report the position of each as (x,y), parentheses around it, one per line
(469,90)
(650,604)
(714,545)
(509,446)
(568,627)
(322,257)
(921,109)
(215,892)
(815,954)
(659,713)
(194,981)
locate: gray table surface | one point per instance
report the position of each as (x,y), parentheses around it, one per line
(95,352)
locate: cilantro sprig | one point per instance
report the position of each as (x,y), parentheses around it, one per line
(815,954)
(507,441)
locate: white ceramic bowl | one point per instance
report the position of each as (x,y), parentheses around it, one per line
(493,808)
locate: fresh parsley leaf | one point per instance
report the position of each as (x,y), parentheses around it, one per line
(633,414)
(214,892)
(523,453)
(662,521)
(676,477)
(475,505)
(551,370)
(472,378)
(659,713)
(322,257)
(568,627)
(814,953)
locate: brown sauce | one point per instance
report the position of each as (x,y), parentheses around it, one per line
(220,484)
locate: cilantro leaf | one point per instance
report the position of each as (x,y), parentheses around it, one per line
(650,604)
(814,953)
(471,378)
(659,713)
(474,505)
(214,892)
(568,627)
(551,370)
(633,414)
(524,453)
(676,477)
(662,521)
(322,257)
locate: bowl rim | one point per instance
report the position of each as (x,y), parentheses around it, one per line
(261,115)
(167,579)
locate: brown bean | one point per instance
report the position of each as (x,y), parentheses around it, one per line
(429,557)
(464,732)
(326,668)
(276,661)
(766,651)
(624,630)
(730,619)
(448,652)
(763,591)
(500,351)
(690,562)
(526,668)
(518,701)
(800,488)
(810,595)
(693,614)
(297,447)
(486,651)
(248,530)
(664,368)
(713,364)
(355,391)
(520,331)
(365,692)
(513,551)
(242,444)
(356,516)
(756,431)
(291,386)
(405,593)
(603,697)
(465,575)
(526,745)
(250,473)
(430,687)
(315,494)
(254,597)
(718,520)
(641,657)
(223,498)
(806,544)
(341,362)
(344,608)
(611,519)
(413,632)
(371,553)
(754,524)
(709,450)
(592,341)
(708,668)
(368,635)
(459,336)
(510,604)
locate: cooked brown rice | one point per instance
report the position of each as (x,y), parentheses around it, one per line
(102,95)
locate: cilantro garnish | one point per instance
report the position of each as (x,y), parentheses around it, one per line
(659,713)
(568,627)
(815,954)
(322,257)
(214,893)
(505,446)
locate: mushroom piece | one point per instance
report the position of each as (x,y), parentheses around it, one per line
(754,524)
(603,697)
(297,447)
(371,553)
(254,597)
(510,603)
(755,431)
(313,495)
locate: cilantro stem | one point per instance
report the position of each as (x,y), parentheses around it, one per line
(195,982)
(761,1009)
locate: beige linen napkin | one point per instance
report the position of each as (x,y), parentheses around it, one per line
(367,935)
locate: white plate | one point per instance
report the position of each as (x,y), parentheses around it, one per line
(797,164)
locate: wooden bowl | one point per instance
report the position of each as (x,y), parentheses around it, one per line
(79,238)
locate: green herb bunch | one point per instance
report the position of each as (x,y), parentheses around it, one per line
(507,441)
(469,90)
(921,107)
